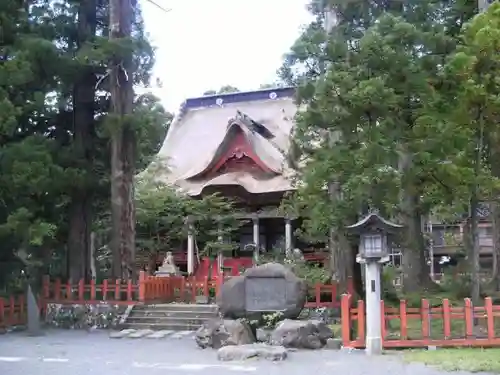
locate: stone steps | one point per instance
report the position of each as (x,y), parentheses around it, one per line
(173,317)
(178,307)
(173,314)
(151,334)
(161,320)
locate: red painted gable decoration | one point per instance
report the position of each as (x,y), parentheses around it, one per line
(238,156)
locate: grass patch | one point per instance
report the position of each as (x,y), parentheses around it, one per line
(414,329)
(460,359)
(336,329)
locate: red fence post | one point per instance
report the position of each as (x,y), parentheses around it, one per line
(81,290)
(206,289)
(57,290)
(142,286)
(105,290)
(345,314)
(92,290)
(403,320)
(2,312)
(490,318)
(12,310)
(361,323)
(130,291)
(69,291)
(446,318)
(383,326)
(468,317)
(425,315)
(117,289)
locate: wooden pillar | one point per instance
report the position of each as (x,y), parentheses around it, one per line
(190,247)
(288,236)
(256,239)
(220,255)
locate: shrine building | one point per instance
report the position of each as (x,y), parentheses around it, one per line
(235,144)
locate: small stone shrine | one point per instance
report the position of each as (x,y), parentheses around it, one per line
(168,267)
(269,288)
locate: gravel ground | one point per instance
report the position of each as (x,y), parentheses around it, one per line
(82,353)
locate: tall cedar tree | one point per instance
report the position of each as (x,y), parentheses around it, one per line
(368,87)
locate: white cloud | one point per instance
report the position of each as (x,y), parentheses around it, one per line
(205,44)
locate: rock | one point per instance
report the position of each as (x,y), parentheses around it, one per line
(300,334)
(280,281)
(217,333)
(242,352)
(98,316)
(334,344)
(263,334)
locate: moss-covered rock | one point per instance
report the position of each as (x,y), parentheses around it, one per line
(101,316)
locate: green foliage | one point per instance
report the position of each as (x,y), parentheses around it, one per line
(389,292)
(226,89)
(163,213)
(53,162)
(400,103)
(271,320)
(311,273)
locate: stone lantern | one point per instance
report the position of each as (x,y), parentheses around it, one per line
(373,231)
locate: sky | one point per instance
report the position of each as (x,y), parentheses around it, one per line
(206,44)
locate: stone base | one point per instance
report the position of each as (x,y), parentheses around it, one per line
(242,352)
(374,345)
(101,315)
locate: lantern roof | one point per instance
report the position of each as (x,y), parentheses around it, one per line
(374,222)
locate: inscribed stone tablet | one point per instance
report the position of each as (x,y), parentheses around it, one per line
(265,294)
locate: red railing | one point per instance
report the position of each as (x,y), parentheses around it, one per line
(326,295)
(173,288)
(186,289)
(114,291)
(12,311)
(445,325)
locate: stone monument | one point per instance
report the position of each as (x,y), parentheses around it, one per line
(269,288)
(168,267)
(34,328)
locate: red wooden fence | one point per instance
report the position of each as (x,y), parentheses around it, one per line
(113,291)
(12,311)
(186,289)
(445,325)
(151,289)
(323,295)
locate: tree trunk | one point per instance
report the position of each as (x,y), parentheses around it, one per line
(122,146)
(80,215)
(341,269)
(414,265)
(357,273)
(473,251)
(79,240)
(494,161)
(495,216)
(474,246)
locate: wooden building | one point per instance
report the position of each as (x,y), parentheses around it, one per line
(235,144)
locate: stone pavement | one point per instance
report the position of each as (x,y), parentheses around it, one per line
(150,334)
(82,353)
